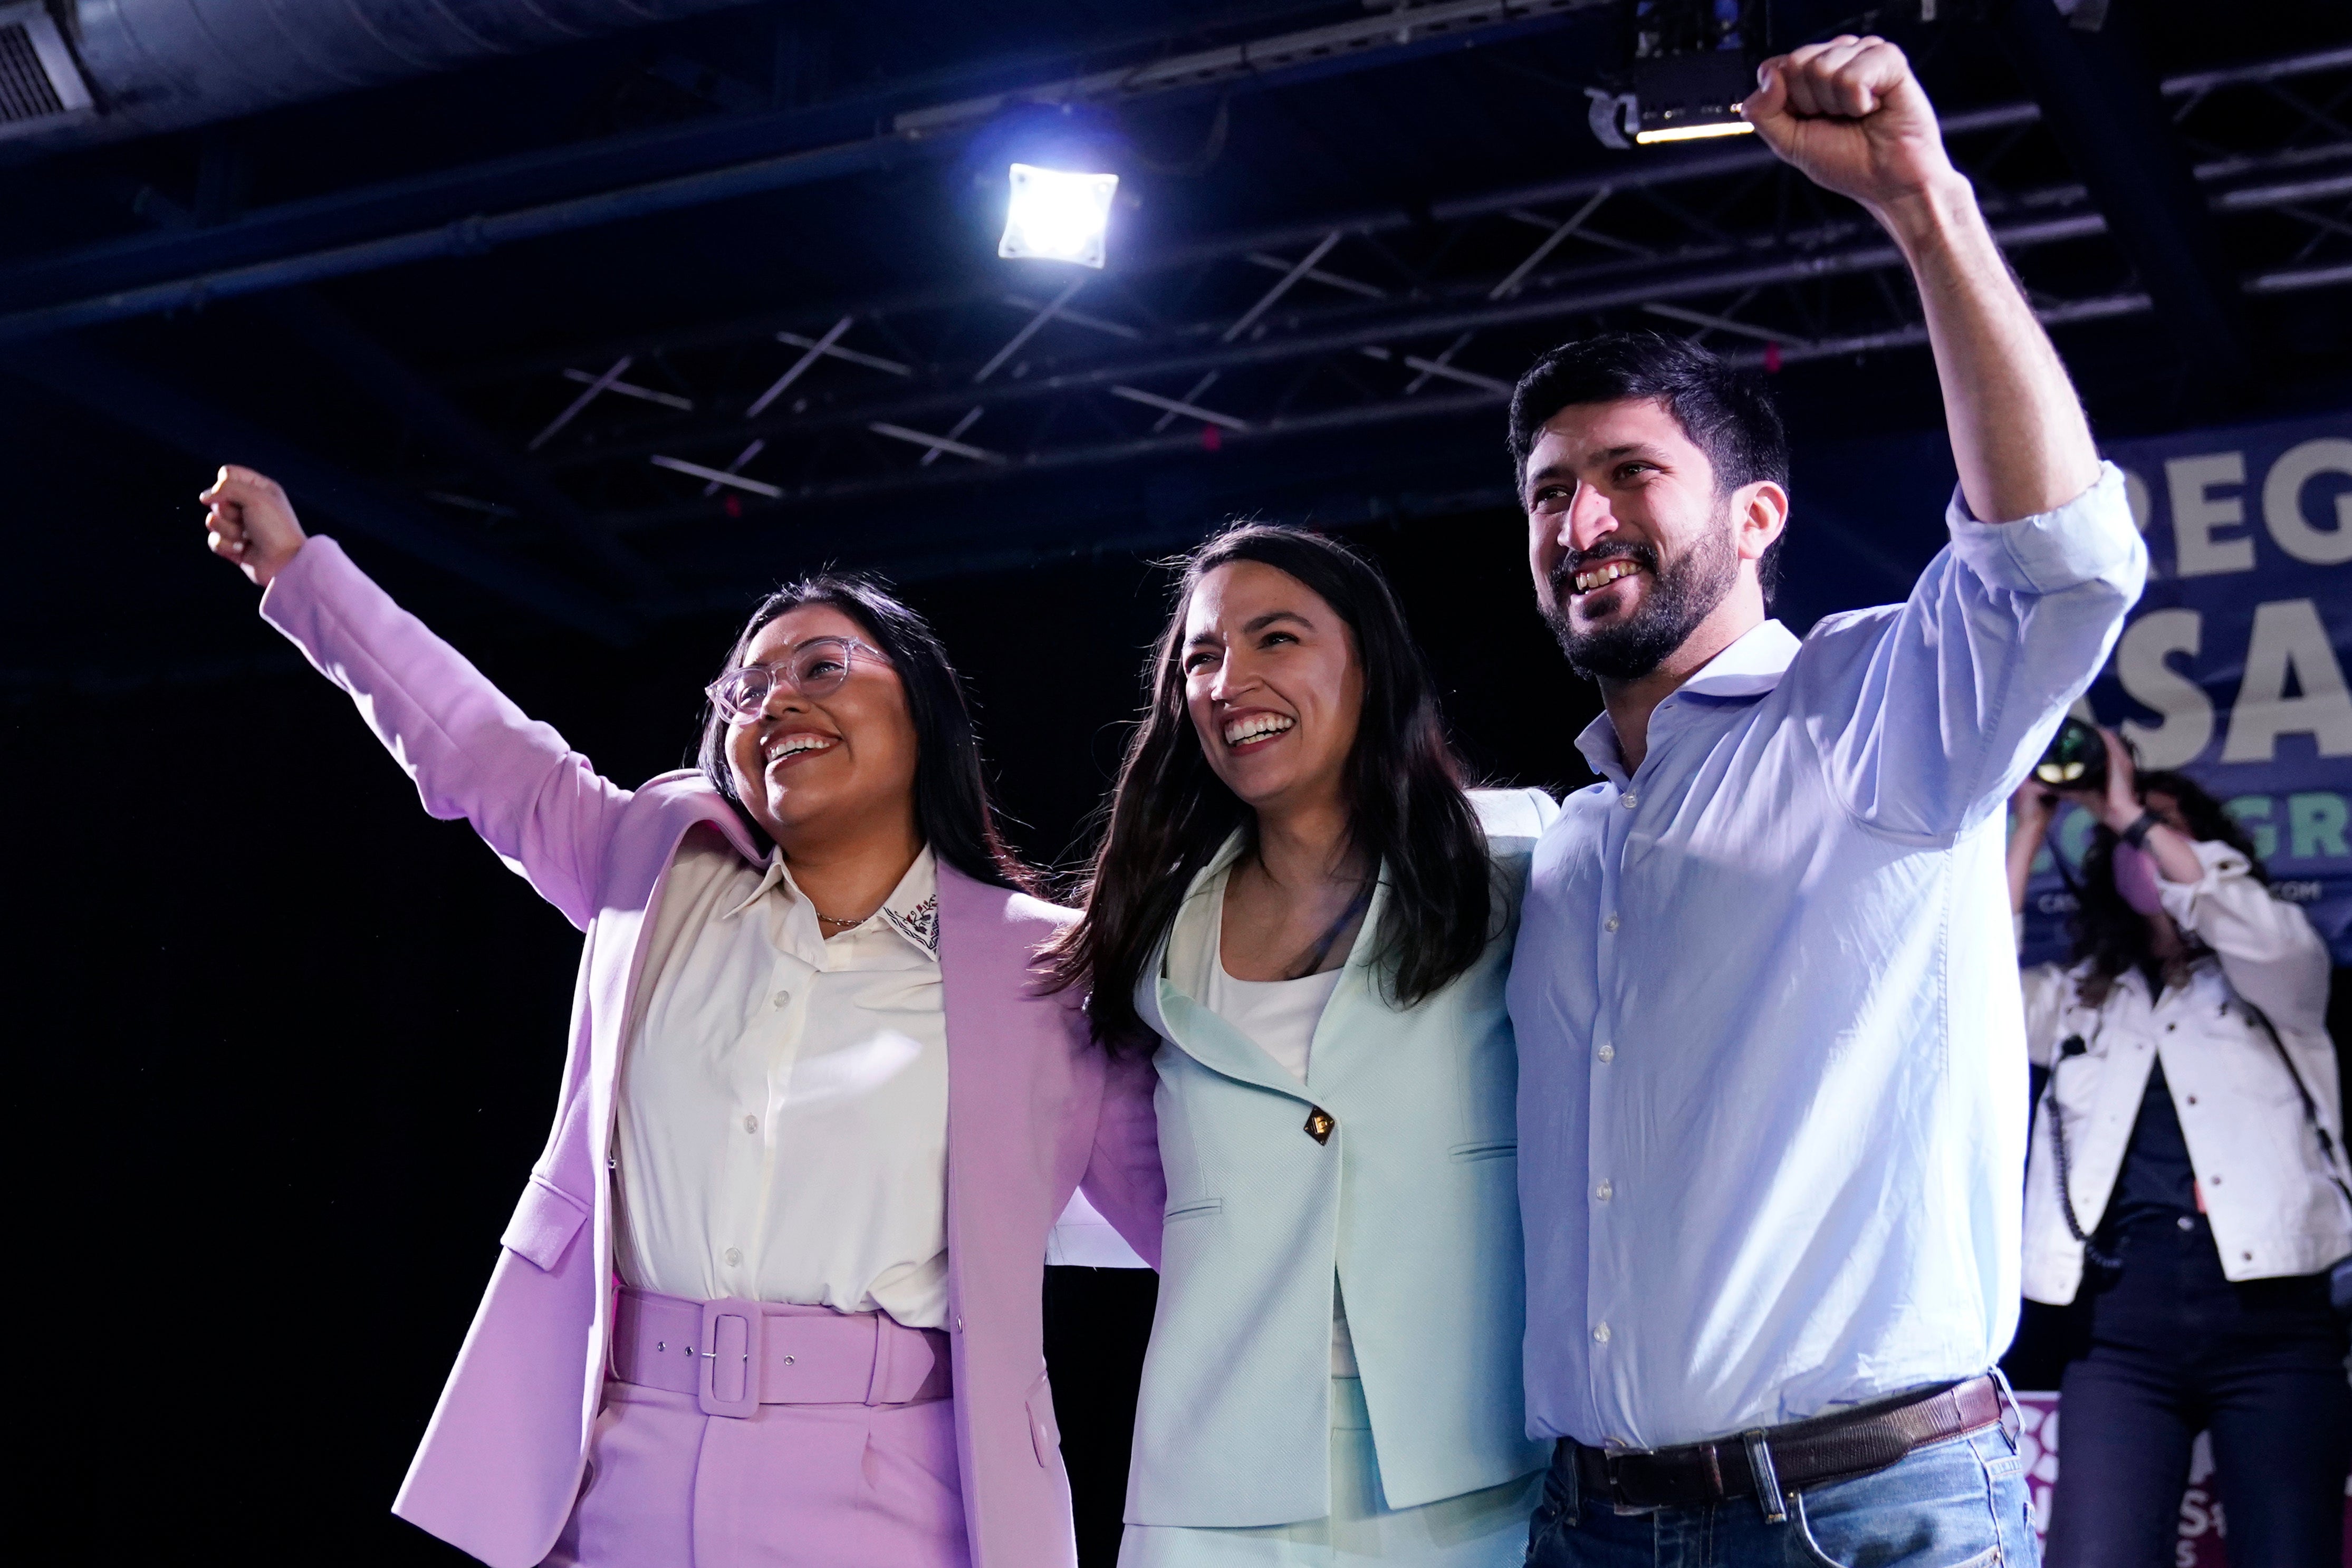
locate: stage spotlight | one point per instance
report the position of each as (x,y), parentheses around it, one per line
(1684,98)
(1689,64)
(1694,132)
(1058,217)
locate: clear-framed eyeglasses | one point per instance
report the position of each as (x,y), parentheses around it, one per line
(815,669)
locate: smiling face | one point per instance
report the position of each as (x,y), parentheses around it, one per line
(1273,683)
(1629,543)
(811,767)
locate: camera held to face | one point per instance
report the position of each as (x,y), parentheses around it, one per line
(2076,758)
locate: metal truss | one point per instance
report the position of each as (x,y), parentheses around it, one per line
(365,229)
(1377,317)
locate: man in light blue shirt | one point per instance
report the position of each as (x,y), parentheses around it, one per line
(1772,1091)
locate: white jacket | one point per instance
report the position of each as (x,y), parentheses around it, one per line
(2274,1207)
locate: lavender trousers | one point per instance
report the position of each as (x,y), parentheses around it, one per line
(815,1485)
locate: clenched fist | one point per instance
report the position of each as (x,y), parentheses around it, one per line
(1851,117)
(250,523)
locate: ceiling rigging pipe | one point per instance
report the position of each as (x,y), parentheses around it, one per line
(168,65)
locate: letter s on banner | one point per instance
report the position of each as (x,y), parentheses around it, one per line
(2287,636)
(2283,502)
(2233,666)
(2141,664)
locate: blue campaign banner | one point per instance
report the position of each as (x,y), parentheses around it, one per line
(2231,668)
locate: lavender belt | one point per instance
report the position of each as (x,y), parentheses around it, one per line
(734,1356)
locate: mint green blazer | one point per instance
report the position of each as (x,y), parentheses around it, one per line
(1412,1206)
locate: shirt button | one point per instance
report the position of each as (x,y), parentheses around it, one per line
(1604,1192)
(1609,923)
(779,998)
(1608,1053)
(2187,1223)
(734,1257)
(2193,1099)
(1601,1334)
(1630,802)
(751,1124)
(2170,1027)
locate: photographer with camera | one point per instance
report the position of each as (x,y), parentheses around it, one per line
(2184,1195)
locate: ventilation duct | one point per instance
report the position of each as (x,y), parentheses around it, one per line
(40,90)
(78,71)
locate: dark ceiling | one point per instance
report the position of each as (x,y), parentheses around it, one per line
(1325,270)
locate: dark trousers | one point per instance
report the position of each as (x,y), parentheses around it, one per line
(2175,1349)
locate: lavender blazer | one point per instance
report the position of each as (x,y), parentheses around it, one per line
(1034,1110)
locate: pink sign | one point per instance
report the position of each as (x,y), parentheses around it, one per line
(2203,1527)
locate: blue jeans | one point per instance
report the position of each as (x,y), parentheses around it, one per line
(2175,1348)
(1959,1503)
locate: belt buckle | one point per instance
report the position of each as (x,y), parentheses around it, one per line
(1613,1476)
(728,1355)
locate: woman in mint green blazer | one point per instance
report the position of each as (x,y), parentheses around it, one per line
(1298,909)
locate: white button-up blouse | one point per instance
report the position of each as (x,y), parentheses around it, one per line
(783,1098)
(2268,1190)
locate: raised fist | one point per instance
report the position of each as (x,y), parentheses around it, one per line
(250,524)
(1850,115)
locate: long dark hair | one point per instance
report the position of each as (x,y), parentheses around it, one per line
(952,804)
(2109,933)
(1170,813)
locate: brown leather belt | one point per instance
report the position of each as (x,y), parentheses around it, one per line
(1831,1447)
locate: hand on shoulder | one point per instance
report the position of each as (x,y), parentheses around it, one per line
(1513,813)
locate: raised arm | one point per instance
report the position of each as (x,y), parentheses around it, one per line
(2031,806)
(471,752)
(1850,115)
(2268,949)
(1936,713)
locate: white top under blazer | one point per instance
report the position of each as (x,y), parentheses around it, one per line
(783,1098)
(1281,1016)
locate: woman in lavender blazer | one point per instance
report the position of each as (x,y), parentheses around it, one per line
(788,1414)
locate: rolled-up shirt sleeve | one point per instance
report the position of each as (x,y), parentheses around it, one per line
(2268,949)
(1962,686)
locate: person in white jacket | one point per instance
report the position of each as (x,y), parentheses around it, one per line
(2185,1197)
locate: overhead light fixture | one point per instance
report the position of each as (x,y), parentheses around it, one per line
(1058,217)
(1690,63)
(1694,132)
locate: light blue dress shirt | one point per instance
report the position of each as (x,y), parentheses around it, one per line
(1772,1091)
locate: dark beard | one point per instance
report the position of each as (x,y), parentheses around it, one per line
(1682,594)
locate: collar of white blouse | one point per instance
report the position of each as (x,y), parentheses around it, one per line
(912,910)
